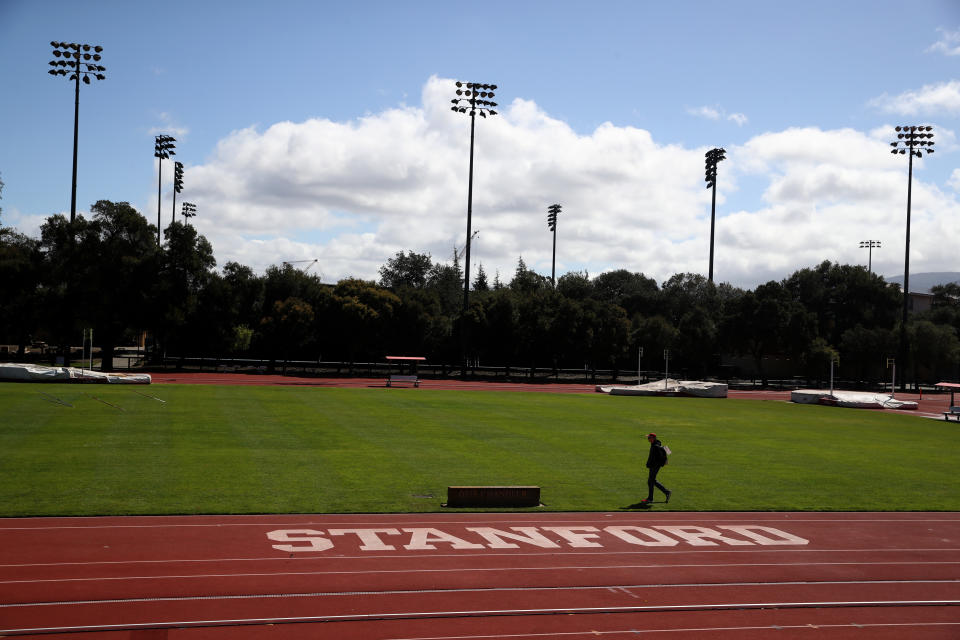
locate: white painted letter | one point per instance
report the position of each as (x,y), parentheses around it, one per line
(530,535)
(659,540)
(750,530)
(420,539)
(576,539)
(696,535)
(314,539)
(371,541)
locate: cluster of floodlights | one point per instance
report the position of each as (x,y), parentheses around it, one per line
(552,212)
(73,58)
(712,158)
(178,177)
(471,91)
(189,210)
(163,147)
(912,137)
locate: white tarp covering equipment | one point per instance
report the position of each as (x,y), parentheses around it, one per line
(670,387)
(853,399)
(20,372)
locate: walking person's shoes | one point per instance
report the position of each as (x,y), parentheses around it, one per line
(669,493)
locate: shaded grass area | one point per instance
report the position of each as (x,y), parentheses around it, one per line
(221,449)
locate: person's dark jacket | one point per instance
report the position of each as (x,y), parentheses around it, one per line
(658,455)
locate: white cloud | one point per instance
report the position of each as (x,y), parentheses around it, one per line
(948,44)
(716,113)
(739,118)
(954,181)
(168,127)
(705,112)
(354,193)
(943,97)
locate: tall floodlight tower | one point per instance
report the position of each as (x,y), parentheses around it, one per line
(871,245)
(78,61)
(163,148)
(177,188)
(712,158)
(189,210)
(552,212)
(472,100)
(911,141)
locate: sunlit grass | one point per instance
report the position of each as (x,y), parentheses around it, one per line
(220,449)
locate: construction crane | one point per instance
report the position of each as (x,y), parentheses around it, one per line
(459,252)
(308,267)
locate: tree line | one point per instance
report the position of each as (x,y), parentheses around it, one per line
(108,272)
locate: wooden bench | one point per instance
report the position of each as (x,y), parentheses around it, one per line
(954,411)
(398,378)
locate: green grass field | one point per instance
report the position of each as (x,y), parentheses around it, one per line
(222,449)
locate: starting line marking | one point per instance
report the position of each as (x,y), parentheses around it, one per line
(358,617)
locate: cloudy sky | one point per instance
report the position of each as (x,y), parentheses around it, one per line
(323,129)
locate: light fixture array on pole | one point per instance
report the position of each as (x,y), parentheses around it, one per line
(472,100)
(163,148)
(552,212)
(189,210)
(712,158)
(913,141)
(78,61)
(177,188)
(871,245)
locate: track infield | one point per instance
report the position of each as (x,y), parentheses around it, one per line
(493,575)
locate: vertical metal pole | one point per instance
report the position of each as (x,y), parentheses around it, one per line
(904,348)
(666,367)
(870,258)
(466,258)
(173,214)
(713,211)
(76,127)
(639,358)
(159,181)
(553,264)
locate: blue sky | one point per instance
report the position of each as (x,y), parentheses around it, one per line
(321,129)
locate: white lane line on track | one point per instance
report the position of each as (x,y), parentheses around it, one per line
(624,588)
(476,570)
(306,557)
(360,617)
(637,632)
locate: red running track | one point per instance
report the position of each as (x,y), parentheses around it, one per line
(492,576)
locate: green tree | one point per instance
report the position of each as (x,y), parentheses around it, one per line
(21,274)
(406,270)
(575,285)
(480,282)
(186,268)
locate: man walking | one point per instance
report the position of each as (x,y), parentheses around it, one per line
(655,460)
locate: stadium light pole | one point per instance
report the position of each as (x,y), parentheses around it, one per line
(163,148)
(189,210)
(870,244)
(177,188)
(552,212)
(472,100)
(912,141)
(75,59)
(712,158)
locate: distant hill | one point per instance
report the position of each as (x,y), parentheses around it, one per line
(923,282)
